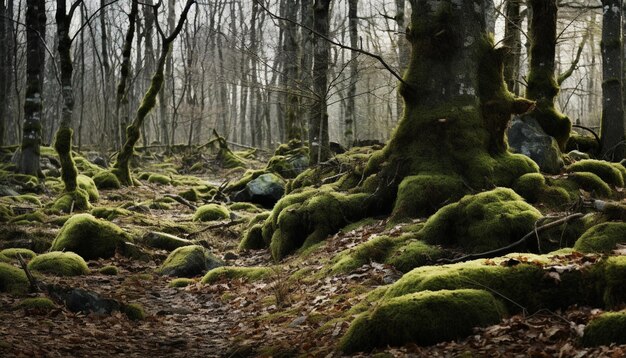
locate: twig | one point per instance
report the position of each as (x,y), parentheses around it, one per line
(34,287)
(220,225)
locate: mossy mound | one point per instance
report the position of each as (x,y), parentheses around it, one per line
(231,272)
(12,279)
(247,207)
(87,184)
(211,212)
(289,160)
(602,238)
(535,188)
(424,318)
(583,143)
(109,214)
(605,170)
(69,202)
(35,216)
(606,329)
(181,282)
(614,272)
(134,311)
(159,179)
(481,222)
(89,237)
(163,241)
(40,304)
(109,270)
(592,183)
(25,199)
(421,195)
(59,264)
(190,194)
(253,238)
(6,213)
(189,261)
(106,180)
(13,253)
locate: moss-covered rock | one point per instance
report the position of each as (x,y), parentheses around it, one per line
(423,318)
(602,237)
(109,213)
(163,241)
(12,279)
(583,143)
(605,170)
(211,212)
(13,253)
(89,237)
(191,194)
(70,202)
(253,238)
(134,311)
(87,184)
(231,272)
(189,261)
(592,183)
(247,207)
(481,222)
(421,195)
(59,264)
(606,329)
(159,179)
(106,180)
(39,304)
(181,282)
(109,270)
(614,272)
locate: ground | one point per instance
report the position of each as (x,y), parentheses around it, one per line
(299,308)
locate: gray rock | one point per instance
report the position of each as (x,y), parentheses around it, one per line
(578,155)
(265,190)
(527,137)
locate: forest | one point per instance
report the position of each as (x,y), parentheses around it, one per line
(325,178)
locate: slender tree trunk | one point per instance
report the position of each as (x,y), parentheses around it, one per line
(354,68)
(289,79)
(111,123)
(612,133)
(149,55)
(318,126)
(513,42)
(83,19)
(306,66)
(121,98)
(5,73)
(404,49)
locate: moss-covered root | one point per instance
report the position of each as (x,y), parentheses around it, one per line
(230,273)
(423,318)
(607,328)
(12,279)
(106,180)
(88,185)
(602,238)
(36,304)
(73,201)
(59,264)
(611,173)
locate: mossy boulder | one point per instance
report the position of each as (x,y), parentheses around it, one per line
(481,222)
(181,282)
(87,184)
(59,264)
(38,304)
(159,179)
(424,318)
(13,253)
(602,238)
(231,272)
(109,213)
(526,136)
(614,273)
(89,237)
(69,202)
(12,279)
(253,238)
(247,207)
(189,261)
(191,194)
(106,180)
(606,329)
(592,183)
(211,212)
(608,172)
(164,241)
(109,270)
(134,311)
(421,195)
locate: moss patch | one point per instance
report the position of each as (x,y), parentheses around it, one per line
(211,212)
(605,170)
(159,179)
(607,328)
(421,195)
(109,214)
(231,272)
(59,264)
(109,270)
(14,252)
(181,282)
(134,311)
(40,304)
(591,183)
(163,241)
(12,279)
(69,202)
(189,261)
(602,237)
(106,180)
(87,184)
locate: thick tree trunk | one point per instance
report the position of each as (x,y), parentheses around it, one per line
(542,82)
(353,23)
(318,125)
(513,42)
(306,65)
(290,77)
(404,49)
(612,132)
(33,104)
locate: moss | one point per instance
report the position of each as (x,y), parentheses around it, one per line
(106,180)
(6,213)
(87,184)
(190,194)
(244,206)
(109,214)
(159,205)
(35,216)
(181,282)
(144,176)
(253,238)
(159,179)
(586,144)
(14,252)
(614,272)
(606,329)
(481,222)
(602,238)
(211,212)
(134,311)
(109,270)
(592,183)
(59,264)
(69,202)
(231,273)
(230,160)
(421,195)
(605,170)
(39,304)
(423,318)
(530,186)
(85,166)
(164,241)
(197,167)
(12,279)
(188,261)
(414,253)
(25,198)
(89,237)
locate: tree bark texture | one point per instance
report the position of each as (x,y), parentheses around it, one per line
(121,99)
(513,42)
(318,125)
(353,24)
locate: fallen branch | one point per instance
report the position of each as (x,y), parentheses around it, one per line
(509,248)
(34,285)
(220,225)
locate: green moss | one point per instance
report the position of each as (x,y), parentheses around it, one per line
(602,238)
(85,166)
(188,261)
(89,237)
(244,206)
(190,194)
(37,304)
(159,205)
(211,212)
(197,167)
(6,213)
(423,318)
(134,311)
(35,216)
(144,176)
(159,179)
(106,180)
(109,214)
(605,170)
(586,144)
(181,282)
(614,294)
(14,252)
(12,279)
(481,222)
(230,160)
(164,241)
(25,198)
(253,238)
(414,253)
(87,184)
(231,273)
(59,264)
(109,270)
(69,202)
(421,195)
(530,186)
(606,329)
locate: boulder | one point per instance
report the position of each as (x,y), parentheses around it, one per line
(527,137)
(265,190)
(59,264)
(163,241)
(189,261)
(211,212)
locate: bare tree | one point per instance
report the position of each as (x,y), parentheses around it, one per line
(318,125)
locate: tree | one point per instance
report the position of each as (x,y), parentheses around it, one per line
(612,132)
(33,104)
(318,122)
(513,42)
(290,76)
(450,138)
(353,23)
(5,72)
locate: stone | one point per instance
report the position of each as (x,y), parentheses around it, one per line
(527,137)
(265,190)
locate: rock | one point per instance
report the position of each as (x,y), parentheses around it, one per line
(99,161)
(230,256)
(106,180)
(211,212)
(578,155)
(163,241)
(189,261)
(6,190)
(265,190)
(527,137)
(59,264)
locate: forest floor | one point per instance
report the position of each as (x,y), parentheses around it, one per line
(284,314)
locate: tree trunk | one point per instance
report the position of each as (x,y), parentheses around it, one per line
(513,42)
(542,83)
(121,98)
(353,23)
(33,104)
(290,76)
(111,123)
(318,125)
(5,73)
(306,65)
(404,49)
(612,132)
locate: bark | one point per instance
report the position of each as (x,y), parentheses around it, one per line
(404,48)
(291,74)
(306,64)
(33,104)
(5,73)
(318,124)
(513,42)
(353,23)
(612,132)
(111,123)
